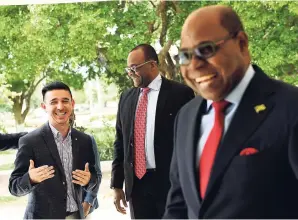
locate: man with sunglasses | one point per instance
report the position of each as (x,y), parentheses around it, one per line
(144,136)
(236,143)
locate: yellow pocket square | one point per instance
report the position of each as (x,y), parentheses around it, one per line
(259,108)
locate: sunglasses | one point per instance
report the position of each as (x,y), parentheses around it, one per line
(134,68)
(202,51)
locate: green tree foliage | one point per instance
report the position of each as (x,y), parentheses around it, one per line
(74,42)
(273,33)
(32,50)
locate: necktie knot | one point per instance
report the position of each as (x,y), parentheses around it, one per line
(220,106)
(146,90)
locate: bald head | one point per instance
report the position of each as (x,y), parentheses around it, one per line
(214,51)
(221,15)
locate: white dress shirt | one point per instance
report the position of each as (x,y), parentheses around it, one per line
(234,97)
(150,120)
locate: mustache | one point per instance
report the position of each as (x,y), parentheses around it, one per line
(133,75)
(138,77)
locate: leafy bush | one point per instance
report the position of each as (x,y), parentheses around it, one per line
(109,117)
(2,128)
(5,108)
(94,118)
(104,138)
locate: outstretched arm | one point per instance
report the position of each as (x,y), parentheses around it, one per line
(10,141)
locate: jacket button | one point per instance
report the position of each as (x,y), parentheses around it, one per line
(63,183)
(131,164)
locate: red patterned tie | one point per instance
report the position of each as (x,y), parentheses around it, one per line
(139,135)
(211,145)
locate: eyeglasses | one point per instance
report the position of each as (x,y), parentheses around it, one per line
(202,51)
(135,67)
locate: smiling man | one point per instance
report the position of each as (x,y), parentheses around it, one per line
(144,136)
(236,144)
(55,164)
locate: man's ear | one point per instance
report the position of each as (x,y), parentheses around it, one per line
(153,64)
(42,105)
(243,41)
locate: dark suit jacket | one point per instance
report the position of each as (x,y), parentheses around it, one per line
(172,97)
(48,198)
(99,174)
(262,185)
(10,141)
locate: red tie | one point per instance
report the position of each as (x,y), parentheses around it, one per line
(211,145)
(139,135)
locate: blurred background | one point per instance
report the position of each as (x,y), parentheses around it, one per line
(85,45)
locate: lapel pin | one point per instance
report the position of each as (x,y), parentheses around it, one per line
(259,108)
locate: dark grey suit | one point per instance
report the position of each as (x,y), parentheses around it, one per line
(48,198)
(172,97)
(262,185)
(10,141)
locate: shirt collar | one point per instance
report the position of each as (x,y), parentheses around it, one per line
(56,133)
(236,94)
(155,84)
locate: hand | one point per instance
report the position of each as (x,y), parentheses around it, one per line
(86,208)
(40,174)
(119,195)
(82,177)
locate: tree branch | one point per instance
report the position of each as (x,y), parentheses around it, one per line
(154,6)
(164,22)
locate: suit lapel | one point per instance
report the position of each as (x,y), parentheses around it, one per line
(75,146)
(246,120)
(75,149)
(191,137)
(134,101)
(51,144)
(132,105)
(161,102)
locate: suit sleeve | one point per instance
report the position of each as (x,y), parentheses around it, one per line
(293,149)
(117,176)
(10,141)
(91,193)
(19,182)
(175,206)
(189,95)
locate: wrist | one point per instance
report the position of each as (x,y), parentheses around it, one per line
(87,203)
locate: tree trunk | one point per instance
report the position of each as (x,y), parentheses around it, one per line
(167,66)
(21,108)
(17,111)
(21,103)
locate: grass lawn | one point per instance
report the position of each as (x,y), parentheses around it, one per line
(7,152)
(7,166)
(7,199)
